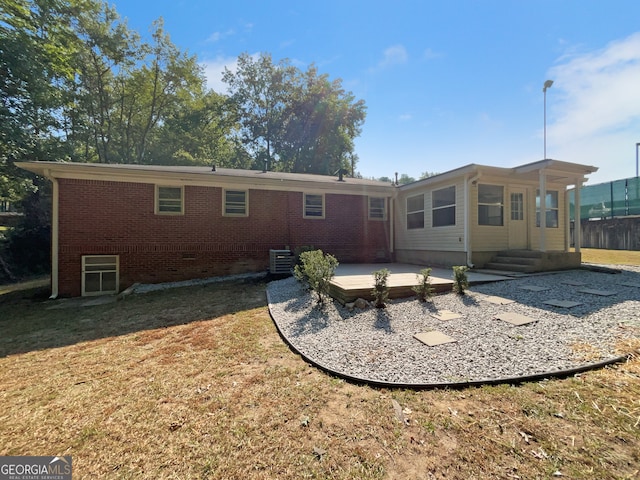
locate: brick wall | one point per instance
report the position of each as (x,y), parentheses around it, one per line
(98,217)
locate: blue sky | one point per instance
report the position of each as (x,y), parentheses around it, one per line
(446,83)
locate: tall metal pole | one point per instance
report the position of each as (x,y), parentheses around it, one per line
(637,145)
(547,84)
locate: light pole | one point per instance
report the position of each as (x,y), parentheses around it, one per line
(547,84)
(637,145)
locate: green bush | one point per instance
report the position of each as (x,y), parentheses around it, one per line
(460,280)
(316,270)
(380,290)
(424,290)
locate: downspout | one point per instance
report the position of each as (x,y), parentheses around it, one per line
(467,218)
(392,216)
(54,237)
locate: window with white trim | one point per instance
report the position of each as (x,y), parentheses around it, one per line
(313,205)
(236,203)
(443,207)
(415,212)
(377,208)
(100,274)
(517,206)
(169,200)
(491,205)
(551,207)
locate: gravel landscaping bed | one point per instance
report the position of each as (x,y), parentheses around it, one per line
(378,345)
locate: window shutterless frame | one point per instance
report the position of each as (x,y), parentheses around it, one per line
(235,203)
(377,208)
(415,212)
(169,200)
(443,207)
(313,205)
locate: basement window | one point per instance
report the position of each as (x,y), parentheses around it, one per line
(100,274)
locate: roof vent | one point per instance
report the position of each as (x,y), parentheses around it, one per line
(341,174)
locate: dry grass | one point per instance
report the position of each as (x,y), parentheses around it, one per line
(196,383)
(610,257)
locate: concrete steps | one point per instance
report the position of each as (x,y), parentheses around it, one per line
(522,261)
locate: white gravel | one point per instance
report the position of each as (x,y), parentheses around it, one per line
(378,345)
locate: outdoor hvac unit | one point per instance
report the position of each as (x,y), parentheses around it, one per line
(280,261)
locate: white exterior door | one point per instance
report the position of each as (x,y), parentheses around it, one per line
(518,229)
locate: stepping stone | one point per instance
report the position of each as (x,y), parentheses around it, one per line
(574,283)
(630,284)
(601,293)
(434,338)
(562,303)
(498,300)
(446,315)
(534,288)
(515,318)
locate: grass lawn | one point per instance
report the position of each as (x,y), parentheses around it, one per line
(196,383)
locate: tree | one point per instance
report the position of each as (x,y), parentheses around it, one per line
(295,121)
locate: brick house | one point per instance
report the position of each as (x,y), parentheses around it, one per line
(115,225)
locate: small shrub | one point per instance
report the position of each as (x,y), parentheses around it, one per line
(380,290)
(316,269)
(424,290)
(460,280)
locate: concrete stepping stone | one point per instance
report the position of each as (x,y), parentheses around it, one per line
(515,318)
(446,315)
(434,338)
(534,288)
(574,283)
(562,303)
(498,300)
(601,293)
(630,284)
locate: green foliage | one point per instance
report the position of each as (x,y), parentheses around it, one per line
(380,290)
(424,290)
(295,121)
(460,280)
(316,269)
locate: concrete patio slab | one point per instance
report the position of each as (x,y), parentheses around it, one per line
(434,338)
(630,284)
(515,318)
(600,293)
(574,283)
(446,315)
(498,300)
(534,288)
(562,303)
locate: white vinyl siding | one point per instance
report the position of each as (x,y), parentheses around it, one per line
(484,238)
(169,200)
(430,238)
(236,203)
(100,274)
(313,205)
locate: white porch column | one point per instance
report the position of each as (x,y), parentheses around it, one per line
(577,228)
(543,212)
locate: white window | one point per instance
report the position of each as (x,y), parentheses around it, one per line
(415,212)
(551,207)
(99,274)
(443,207)
(313,205)
(169,200)
(236,203)
(377,208)
(490,205)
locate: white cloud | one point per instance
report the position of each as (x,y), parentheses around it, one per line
(213,70)
(394,55)
(593,107)
(405,117)
(429,54)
